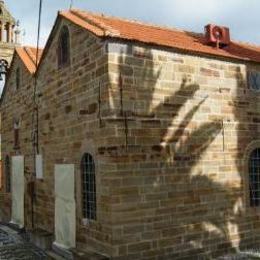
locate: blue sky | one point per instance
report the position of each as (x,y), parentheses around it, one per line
(241,16)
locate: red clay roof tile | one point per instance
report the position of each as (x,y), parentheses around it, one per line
(103,26)
(28,56)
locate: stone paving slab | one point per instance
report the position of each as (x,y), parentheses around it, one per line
(6,239)
(13,246)
(22,252)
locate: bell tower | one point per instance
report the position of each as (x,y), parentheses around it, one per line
(9,33)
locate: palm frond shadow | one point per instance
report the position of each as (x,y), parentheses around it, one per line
(212,222)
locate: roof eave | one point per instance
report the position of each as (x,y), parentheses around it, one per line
(51,36)
(182,50)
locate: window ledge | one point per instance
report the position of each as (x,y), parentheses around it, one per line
(85,222)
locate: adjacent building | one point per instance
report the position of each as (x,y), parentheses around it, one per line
(134,141)
(9,39)
(18,118)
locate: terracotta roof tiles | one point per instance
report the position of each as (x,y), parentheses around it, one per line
(28,56)
(105,26)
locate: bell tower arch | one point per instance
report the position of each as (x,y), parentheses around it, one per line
(9,33)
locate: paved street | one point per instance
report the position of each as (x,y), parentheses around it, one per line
(14,246)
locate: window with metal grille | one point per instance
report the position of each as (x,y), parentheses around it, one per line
(88,187)
(7,174)
(254,178)
(64,47)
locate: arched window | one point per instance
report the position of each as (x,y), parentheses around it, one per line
(7,170)
(254,178)
(64,47)
(88,187)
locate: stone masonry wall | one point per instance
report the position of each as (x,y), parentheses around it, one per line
(17,105)
(69,106)
(170,138)
(69,127)
(179,182)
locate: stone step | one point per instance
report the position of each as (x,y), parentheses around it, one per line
(73,254)
(53,256)
(77,255)
(41,239)
(65,253)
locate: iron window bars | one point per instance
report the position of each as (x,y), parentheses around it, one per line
(64,47)
(88,187)
(7,174)
(254,178)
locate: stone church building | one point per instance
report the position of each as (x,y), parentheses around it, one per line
(134,141)
(9,39)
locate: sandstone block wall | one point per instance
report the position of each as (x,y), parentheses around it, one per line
(69,126)
(185,128)
(170,134)
(17,105)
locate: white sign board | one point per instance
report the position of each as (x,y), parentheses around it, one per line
(18,190)
(65,206)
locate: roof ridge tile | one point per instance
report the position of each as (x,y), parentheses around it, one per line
(82,22)
(134,21)
(88,17)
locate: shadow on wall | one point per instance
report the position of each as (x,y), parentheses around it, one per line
(247,118)
(205,208)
